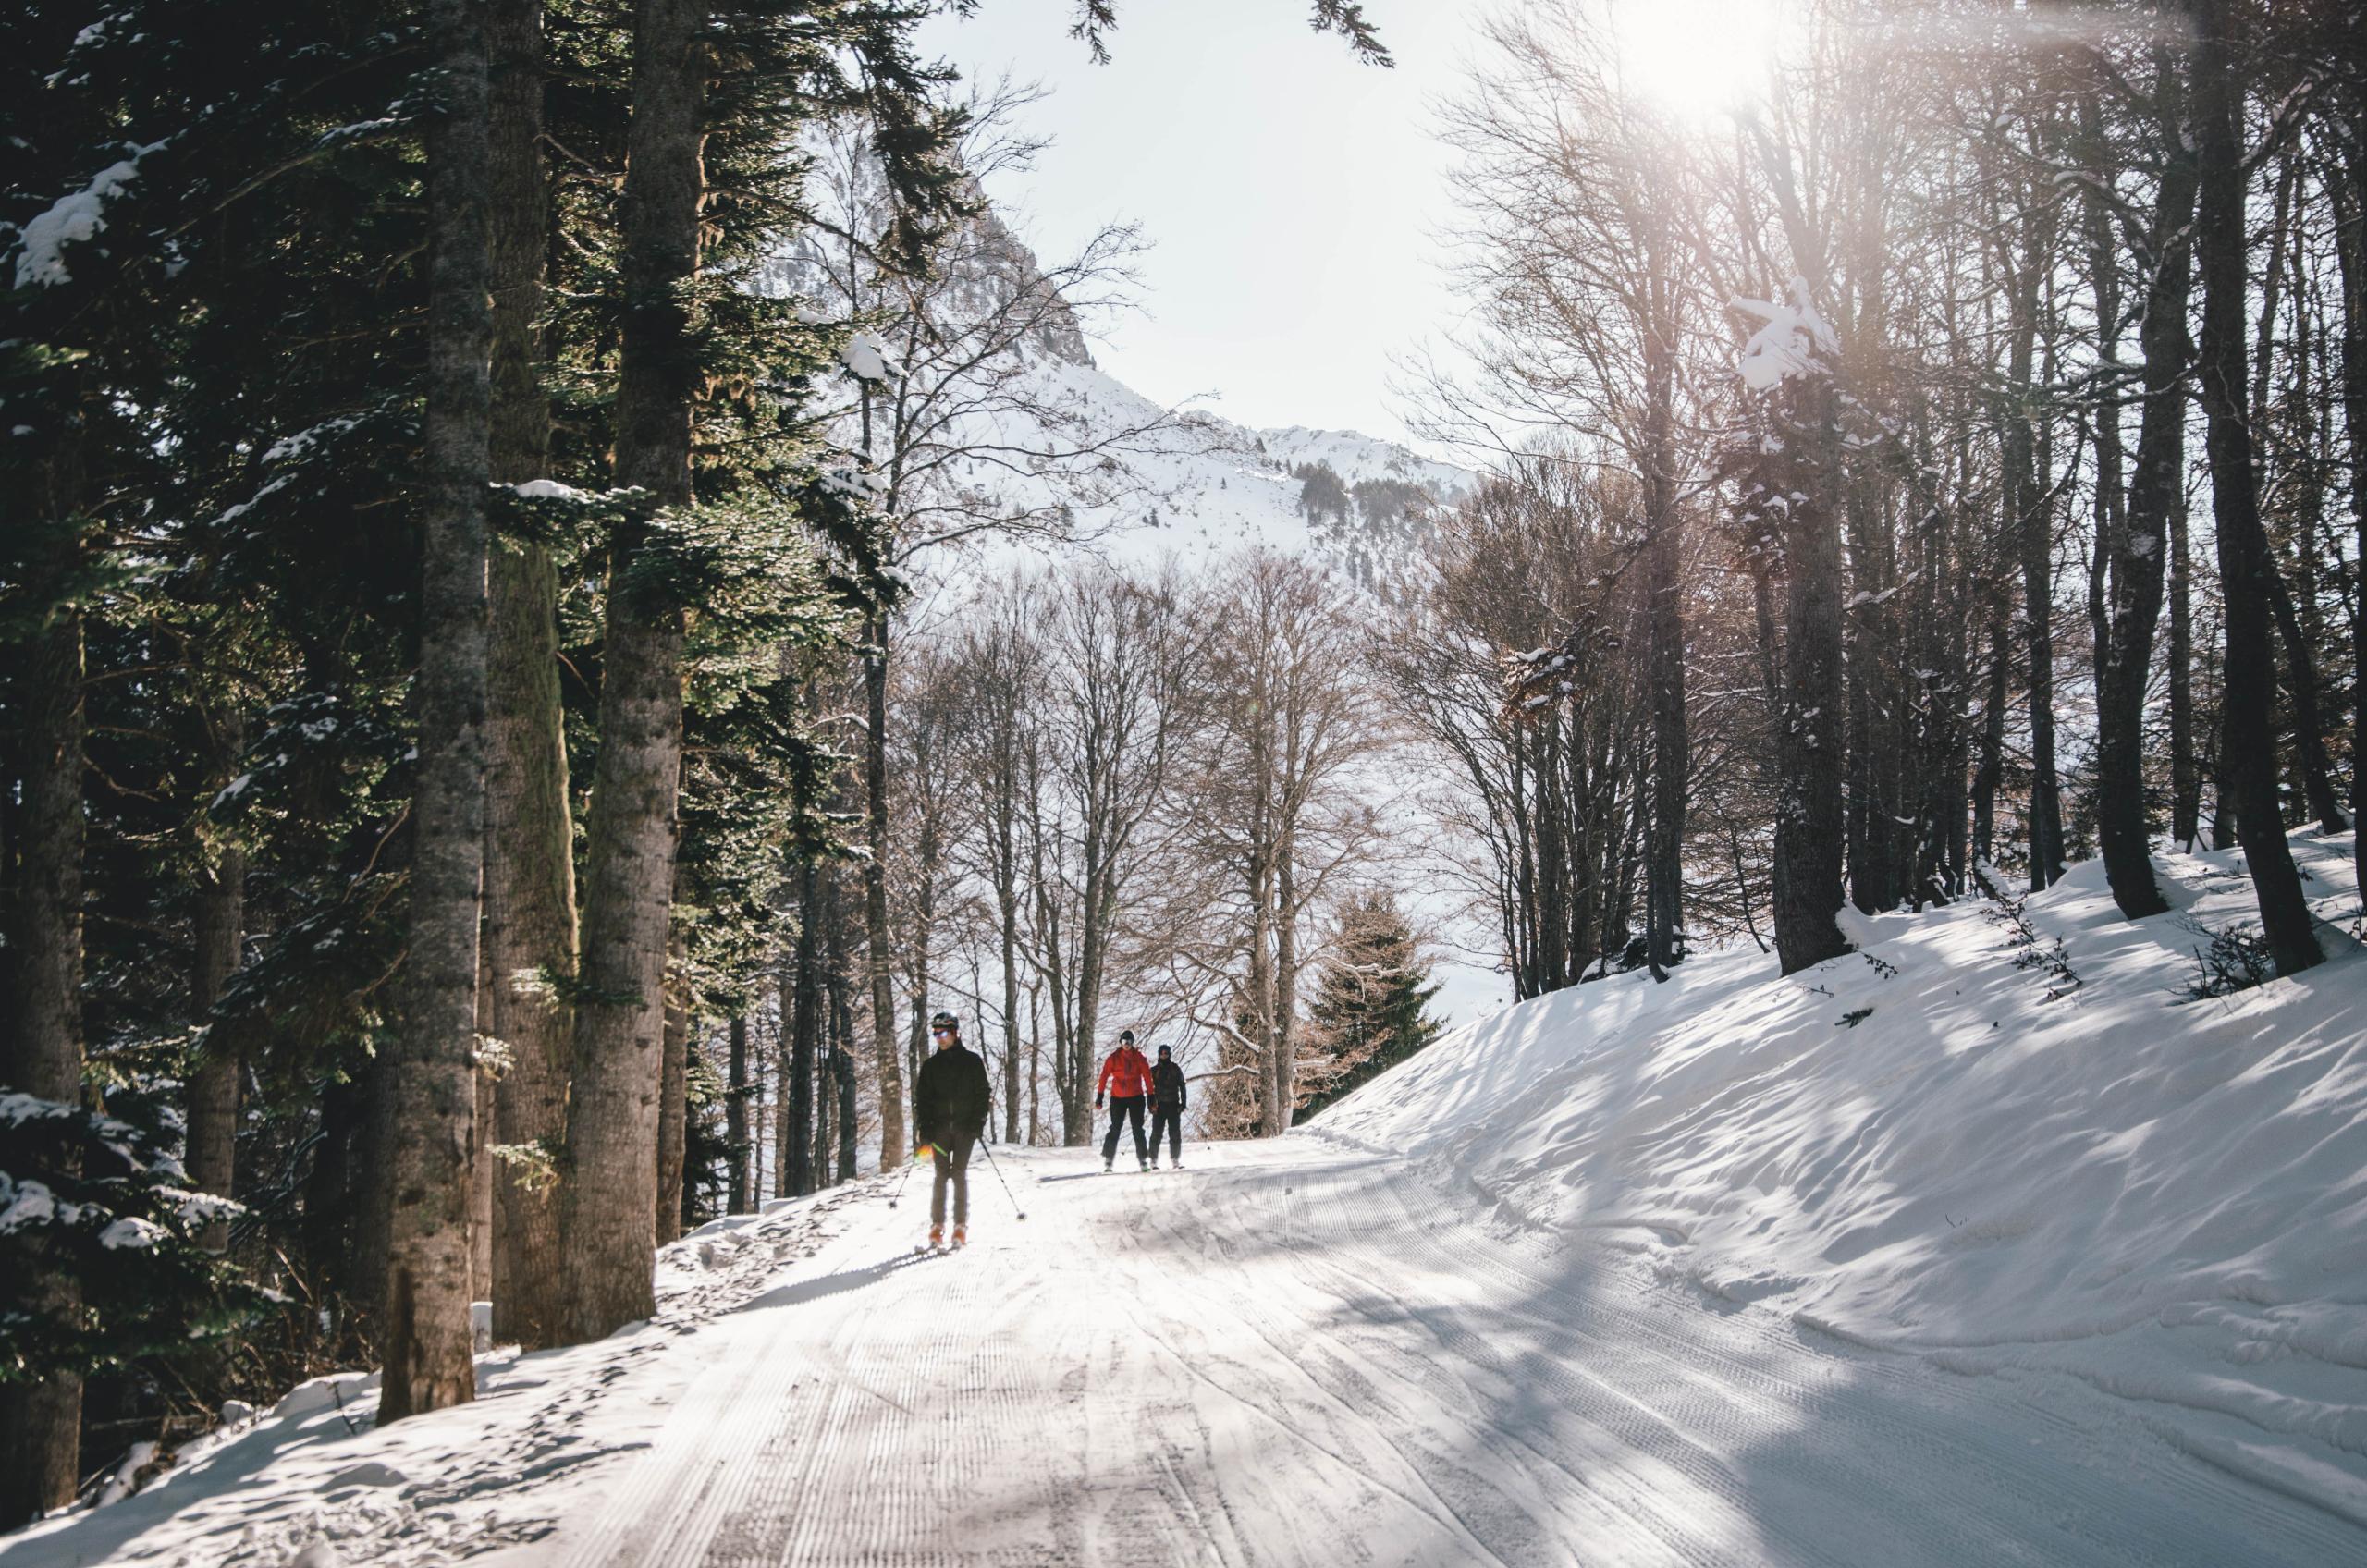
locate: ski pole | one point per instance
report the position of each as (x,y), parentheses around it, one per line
(995,1167)
(905,1178)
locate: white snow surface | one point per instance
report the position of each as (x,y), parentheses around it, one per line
(2167,1199)
(1195,490)
(1633,1274)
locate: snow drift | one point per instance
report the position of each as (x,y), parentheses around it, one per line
(1926,1146)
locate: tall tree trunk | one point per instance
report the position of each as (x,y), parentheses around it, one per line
(426,1332)
(842,1075)
(814,908)
(2157,489)
(2350,207)
(481,1159)
(2185,771)
(2249,690)
(1664,860)
(611,1197)
(40,1054)
(2223,783)
(735,1116)
(1286,983)
(2030,521)
(1808,823)
(1273,1116)
(1989,770)
(2309,722)
(826,1119)
(673,1093)
(836,980)
(219,929)
(1035,1072)
(875,899)
(530,835)
(1007,900)
(784,1043)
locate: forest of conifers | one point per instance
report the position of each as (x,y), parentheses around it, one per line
(488,774)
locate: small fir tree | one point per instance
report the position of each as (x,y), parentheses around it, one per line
(1371,1008)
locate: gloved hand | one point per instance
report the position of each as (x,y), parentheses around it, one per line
(1097,1102)
(923,1152)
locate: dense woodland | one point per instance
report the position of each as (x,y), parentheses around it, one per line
(516,701)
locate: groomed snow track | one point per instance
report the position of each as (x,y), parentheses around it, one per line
(1300,1353)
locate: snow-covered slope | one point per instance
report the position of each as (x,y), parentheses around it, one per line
(1926,1147)
(1196,484)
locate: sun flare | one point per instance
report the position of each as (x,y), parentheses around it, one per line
(1696,59)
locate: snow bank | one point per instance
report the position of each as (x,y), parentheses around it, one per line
(313,1482)
(2166,1198)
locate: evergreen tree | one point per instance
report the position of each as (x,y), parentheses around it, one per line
(1371,1007)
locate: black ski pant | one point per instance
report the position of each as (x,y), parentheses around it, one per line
(1121,1108)
(953,1158)
(1170,1117)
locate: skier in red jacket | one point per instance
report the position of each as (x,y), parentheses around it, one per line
(1125,1082)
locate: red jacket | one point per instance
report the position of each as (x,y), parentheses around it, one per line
(1126,1075)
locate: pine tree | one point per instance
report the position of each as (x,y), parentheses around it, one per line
(1371,1005)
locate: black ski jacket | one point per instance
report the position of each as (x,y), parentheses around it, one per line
(1166,1086)
(951,1098)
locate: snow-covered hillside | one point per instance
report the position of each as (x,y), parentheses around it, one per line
(1200,484)
(1004,412)
(1924,1146)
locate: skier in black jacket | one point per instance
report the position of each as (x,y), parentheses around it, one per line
(950,1103)
(1167,1101)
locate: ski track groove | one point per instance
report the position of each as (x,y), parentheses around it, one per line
(1316,1357)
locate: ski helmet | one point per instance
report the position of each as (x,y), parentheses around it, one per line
(945,1021)
(1126,1036)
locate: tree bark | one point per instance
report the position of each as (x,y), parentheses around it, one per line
(218,930)
(874,900)
(2136,556)
(425,1333)
(1007,903)
(2185,772)
(2350,205)
(530,836)
(40,1423)
(1286,965)
(674,1101)
(825,1119)
(2301,686)
(835,982)
(2248,692)
(2029,522)
(1808,825)
(1989,769)
(1664,859)
(612,1198)
(805,1011)
(735,1116)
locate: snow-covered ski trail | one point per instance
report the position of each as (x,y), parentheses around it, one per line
(1318,1358)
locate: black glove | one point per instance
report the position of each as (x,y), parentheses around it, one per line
(1097,1102)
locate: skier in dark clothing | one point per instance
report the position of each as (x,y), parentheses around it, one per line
(1125,1080)
(950,1103)
(1167,1101)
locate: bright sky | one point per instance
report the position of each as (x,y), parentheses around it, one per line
(1289,192)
